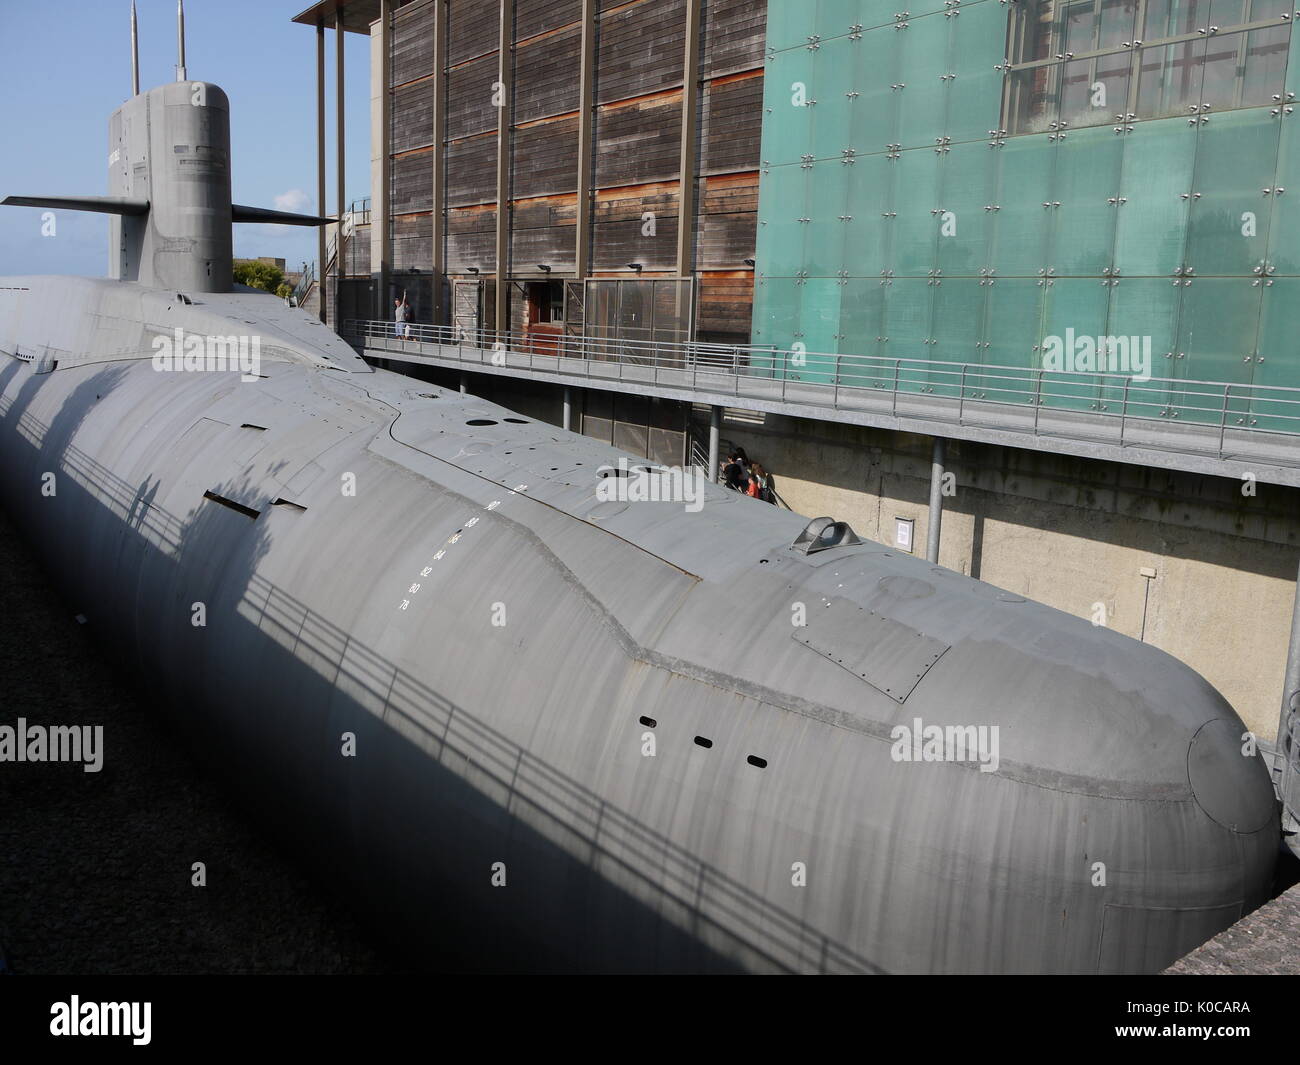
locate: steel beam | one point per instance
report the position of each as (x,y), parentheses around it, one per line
(381,139)
(686,162)
(505,114)
(586,120)
(936,502)
(320,161)
(339,146)
(438,209)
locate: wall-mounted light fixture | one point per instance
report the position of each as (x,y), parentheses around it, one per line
(472,269)
(749,263)
(635,266)
(543,268)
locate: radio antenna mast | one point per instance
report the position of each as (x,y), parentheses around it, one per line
(180,39)
(135,54)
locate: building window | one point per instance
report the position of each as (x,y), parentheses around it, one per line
(1098,62)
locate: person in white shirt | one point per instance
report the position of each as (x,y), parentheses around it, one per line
(401,310)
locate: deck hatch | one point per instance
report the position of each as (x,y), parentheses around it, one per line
(888,655)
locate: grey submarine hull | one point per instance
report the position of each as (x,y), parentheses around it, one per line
(532,727)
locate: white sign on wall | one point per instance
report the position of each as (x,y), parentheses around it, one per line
(903,534)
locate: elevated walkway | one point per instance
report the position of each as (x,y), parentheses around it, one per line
(1226,430)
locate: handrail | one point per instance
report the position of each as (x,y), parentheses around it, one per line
(304,284)
(852,382)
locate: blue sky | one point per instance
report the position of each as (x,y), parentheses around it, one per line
(65,66)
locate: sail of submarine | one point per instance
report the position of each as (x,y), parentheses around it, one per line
(530,727)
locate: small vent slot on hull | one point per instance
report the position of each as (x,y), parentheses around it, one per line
(230,504)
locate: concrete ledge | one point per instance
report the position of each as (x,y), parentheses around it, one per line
(1263,943)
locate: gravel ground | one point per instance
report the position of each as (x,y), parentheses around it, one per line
(95,868)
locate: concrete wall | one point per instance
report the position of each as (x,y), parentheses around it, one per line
(1073,533)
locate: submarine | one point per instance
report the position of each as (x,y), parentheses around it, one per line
(526,722)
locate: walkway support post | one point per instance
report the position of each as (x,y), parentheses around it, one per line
(715,431)
(568,409)
(1287,765)
(936,502)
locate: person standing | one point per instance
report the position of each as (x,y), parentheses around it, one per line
(401,312)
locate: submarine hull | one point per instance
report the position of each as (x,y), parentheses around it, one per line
(528,726)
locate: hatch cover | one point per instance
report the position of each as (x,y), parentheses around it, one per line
(885,653)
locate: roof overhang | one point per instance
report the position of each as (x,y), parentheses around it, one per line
(357,15)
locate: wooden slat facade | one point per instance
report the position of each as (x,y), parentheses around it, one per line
(636,129)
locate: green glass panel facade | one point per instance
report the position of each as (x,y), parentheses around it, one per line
(975,87)
(1236,159)
(789,25)
(1284,218)
(862,317)
(968,178)
(907,160)
(1013,325)
(1155,189)
(869,183)
(1145,311)
(921,63)
(1075,313)
(780,240)
(1217,329)
(874,110)
(787,118)
(826,212)
(908,305)
(833,70)
(819,324)
(1023,217)
(915,219)
(1012,332)
(1085,209)
(1279,328)
(957,309)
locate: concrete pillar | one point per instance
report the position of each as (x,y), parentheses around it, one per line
(568,408)
(464,383)
(715,431)
(936,502)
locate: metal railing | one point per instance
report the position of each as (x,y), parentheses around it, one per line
(1022,398)
(304,285)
